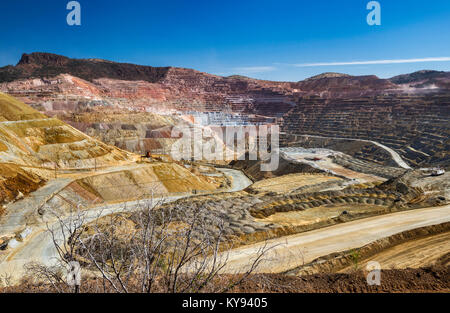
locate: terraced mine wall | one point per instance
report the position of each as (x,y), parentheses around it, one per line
(43,77)
(416,126)
(138,138)
(143,181)
(362,166)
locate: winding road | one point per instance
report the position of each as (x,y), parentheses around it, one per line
(395,156)
(239,180)
(295,250)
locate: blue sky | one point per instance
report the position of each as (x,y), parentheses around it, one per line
(258,38)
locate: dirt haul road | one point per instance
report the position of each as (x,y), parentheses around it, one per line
(293,251)
(395,156)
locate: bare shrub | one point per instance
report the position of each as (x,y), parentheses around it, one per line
(152,248)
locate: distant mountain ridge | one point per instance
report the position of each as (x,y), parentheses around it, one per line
(328,75)
(43,79)
(421,79)
(418,76)
(46,65)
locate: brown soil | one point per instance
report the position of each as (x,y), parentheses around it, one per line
(430,279)
(428,251)
(434,279)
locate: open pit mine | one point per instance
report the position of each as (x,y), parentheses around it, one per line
(363,172)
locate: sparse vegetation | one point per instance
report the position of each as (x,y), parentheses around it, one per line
(354,256)
(151,249)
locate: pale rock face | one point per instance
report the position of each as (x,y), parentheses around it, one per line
(37,82)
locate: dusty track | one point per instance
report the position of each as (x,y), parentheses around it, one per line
(326,164)
(395,156)
(292,251)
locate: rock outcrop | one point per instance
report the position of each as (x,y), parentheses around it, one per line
(43,65)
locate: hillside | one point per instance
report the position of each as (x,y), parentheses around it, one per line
(31,138)
(12,109)
(424,78)
(338,85)
(31,145)
(34,151)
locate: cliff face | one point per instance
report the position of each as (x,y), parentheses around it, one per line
(43,59)
(45,65)
(417,125)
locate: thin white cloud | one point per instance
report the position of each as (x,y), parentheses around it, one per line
(398,61)
(254,69)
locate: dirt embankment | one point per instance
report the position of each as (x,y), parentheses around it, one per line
(15,180)
(12,109)
(352,259)
(129,183)
(253,169)
(429,279)
(159,178)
